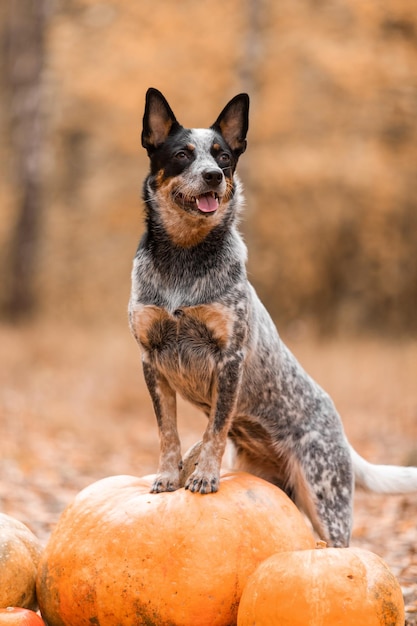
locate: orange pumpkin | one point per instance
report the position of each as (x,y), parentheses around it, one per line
(12,616)
(20,551)
(327,587)
(120,555)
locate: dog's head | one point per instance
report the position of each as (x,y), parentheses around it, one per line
(192,170)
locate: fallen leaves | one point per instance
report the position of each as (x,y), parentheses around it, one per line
(73,409)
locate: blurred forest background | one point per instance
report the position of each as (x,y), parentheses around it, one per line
(330,172)
(331,226)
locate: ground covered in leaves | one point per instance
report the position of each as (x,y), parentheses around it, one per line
(73,409)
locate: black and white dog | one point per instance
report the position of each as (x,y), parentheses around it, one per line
(205,334)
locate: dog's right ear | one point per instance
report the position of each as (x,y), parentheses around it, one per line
(158,120)
(233,123)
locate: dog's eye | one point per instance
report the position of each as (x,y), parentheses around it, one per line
(224,159)
(181,155)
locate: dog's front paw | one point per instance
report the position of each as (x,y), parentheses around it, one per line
(202,483)
(165,482)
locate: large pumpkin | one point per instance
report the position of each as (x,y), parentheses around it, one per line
(122,556)
(323,587)
(20,551)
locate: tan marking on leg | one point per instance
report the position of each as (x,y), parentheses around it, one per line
(218,318)
(143,318)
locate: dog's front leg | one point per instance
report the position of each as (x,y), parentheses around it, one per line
(164,403)
(205,478)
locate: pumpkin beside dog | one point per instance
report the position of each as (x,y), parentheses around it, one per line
(16,616)
(20,551)
(322,587)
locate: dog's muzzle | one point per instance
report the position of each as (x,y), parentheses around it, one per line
(205,203)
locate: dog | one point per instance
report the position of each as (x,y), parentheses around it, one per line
(204,333)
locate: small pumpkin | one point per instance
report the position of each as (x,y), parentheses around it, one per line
(121,555)
(20,551)
(15,616)
(322,587)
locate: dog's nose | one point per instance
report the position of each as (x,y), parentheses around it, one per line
(213,178)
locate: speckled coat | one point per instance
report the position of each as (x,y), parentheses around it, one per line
(205,334)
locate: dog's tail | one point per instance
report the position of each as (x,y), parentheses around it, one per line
(383,478)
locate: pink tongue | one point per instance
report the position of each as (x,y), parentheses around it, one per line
(207,203)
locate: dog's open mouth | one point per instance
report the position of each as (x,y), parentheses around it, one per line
(205,203)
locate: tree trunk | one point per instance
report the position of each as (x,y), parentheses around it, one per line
(24,61)
(253,50)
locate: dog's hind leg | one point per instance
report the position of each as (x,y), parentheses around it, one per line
(315,486)
(322,484)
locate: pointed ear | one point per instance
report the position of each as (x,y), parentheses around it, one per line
(158,120)
(233,122)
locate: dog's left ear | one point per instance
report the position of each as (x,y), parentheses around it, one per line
(233,122)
